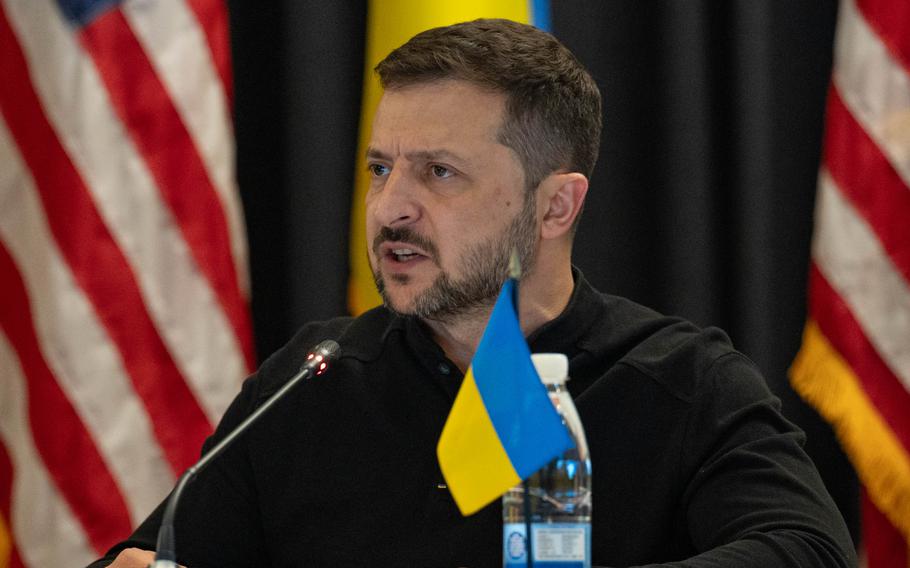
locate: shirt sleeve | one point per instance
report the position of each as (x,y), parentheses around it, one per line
(753,497)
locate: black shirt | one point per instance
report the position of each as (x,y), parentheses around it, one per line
(691,457)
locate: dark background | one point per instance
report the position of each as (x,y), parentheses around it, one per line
(700,206)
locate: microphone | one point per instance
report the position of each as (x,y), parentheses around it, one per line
(316,363)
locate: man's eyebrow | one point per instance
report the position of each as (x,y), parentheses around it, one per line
(433,156)
(417,155)
(374,154)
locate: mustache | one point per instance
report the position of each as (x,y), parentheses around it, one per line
(407,236)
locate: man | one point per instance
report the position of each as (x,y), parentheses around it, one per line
(483,142)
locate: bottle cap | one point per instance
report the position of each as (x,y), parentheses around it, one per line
(553,368)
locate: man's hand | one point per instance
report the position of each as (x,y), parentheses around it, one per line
(134,558)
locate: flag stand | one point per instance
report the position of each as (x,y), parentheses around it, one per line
(515,273)
(526,502)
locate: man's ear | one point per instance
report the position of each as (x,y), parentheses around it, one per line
(560,197)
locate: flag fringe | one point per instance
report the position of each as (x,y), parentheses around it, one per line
(6,543)
(821,376)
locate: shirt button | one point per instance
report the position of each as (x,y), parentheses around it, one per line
(444,368)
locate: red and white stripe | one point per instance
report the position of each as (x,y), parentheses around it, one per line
(167,31)
(858,267)
(873,79)
(86,365)
(125,328)
(46,531)
(860,278)
(862,238)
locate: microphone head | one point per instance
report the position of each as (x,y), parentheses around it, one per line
(328,349)
(317,360)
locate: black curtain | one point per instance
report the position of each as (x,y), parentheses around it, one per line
(700,206)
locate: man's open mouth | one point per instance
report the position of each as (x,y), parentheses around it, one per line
(404,254)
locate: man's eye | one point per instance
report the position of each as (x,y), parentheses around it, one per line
(441,172)
(378,170)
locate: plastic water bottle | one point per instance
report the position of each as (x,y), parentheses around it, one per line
(560,493)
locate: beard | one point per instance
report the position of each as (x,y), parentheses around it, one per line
(483,268)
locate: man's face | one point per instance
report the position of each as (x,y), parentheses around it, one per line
(446,203)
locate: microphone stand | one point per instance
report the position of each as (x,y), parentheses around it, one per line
(315,364)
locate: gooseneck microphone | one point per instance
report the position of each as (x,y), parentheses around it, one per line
(316,363)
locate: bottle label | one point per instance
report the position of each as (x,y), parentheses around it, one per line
(554,545)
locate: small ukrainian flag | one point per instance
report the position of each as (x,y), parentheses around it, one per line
(502,427)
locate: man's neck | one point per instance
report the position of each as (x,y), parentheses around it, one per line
(458,336)
(538,303)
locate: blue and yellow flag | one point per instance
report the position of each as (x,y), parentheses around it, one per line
(502,427)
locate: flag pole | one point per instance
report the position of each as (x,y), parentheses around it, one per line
(515,274)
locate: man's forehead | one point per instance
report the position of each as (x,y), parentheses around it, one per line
(434,121)
(444,84)
(443,101)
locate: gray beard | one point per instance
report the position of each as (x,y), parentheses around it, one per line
(485,267)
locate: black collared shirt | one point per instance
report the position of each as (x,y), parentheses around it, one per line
(690,454)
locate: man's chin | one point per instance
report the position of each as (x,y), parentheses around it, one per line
(439,300)
(395,302)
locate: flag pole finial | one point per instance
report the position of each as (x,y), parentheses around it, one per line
(514,265)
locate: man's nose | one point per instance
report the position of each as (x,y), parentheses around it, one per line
(396,203)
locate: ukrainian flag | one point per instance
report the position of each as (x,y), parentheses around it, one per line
(502,427)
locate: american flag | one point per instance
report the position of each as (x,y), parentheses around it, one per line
(124,326)
(854,365)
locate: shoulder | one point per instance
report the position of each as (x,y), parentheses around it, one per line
(360,338)
(675,354)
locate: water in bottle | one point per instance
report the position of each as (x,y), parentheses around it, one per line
(559,505)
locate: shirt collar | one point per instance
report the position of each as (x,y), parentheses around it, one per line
(557,335)
(562,334)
